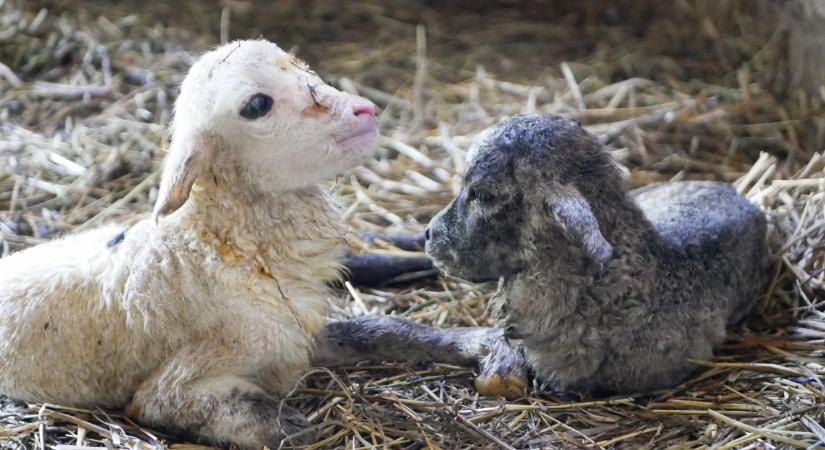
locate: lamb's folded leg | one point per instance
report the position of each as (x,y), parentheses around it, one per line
(374,269)
(214,406)
(408,242)
(502,370)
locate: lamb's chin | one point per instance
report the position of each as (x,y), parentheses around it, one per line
(361,145)
(445,267)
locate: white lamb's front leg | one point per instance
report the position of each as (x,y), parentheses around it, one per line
(200,395)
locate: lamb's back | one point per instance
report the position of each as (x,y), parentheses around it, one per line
(699,215)
(715,235)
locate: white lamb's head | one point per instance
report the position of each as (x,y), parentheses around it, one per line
(260,116)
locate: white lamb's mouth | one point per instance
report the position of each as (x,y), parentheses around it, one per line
(362,132)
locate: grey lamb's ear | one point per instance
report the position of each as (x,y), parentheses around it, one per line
(573,213)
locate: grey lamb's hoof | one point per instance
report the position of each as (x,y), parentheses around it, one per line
(502,371)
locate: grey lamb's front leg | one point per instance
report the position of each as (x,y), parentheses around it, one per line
(385,338)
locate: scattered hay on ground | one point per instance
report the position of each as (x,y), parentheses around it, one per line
(84,102)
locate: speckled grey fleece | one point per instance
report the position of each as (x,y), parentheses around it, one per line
(607,290)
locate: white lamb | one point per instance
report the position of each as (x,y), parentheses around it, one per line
(198,320)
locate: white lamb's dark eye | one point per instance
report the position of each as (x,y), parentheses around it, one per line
(257,106)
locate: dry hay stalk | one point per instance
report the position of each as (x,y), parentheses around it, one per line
(83,114)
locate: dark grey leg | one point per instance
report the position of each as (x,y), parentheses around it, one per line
(386,338)
(375,270)
(409,242)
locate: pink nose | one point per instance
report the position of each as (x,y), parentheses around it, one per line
(364,108)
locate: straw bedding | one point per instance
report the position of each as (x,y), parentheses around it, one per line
(699,91)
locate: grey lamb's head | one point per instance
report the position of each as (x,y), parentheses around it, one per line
(527,196)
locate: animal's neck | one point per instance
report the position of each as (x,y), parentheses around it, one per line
(299,225)
(623,224)
(563,279)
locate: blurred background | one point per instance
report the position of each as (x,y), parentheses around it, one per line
(693,89)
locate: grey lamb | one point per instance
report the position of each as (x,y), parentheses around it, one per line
(604,290)
(609,290)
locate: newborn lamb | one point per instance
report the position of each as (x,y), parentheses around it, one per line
(608,290)
(200,319)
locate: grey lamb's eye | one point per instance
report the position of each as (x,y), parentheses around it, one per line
(257,106)
(480,195)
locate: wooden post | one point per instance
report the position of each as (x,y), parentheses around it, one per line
(806,52)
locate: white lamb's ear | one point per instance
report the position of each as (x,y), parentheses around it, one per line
(189,155)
